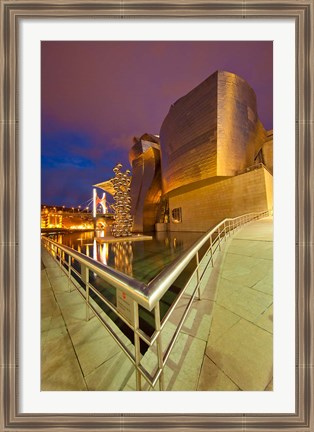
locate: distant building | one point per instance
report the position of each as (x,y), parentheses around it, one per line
(65,218)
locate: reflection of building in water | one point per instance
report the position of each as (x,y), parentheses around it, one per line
(104,253)
(123,257)
(215,160)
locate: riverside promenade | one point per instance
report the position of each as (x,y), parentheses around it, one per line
(226,342)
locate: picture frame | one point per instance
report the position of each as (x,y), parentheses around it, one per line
(11,12)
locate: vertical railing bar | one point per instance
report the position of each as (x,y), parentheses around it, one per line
(219,238)
(159,347)
(211,250)
(198,275)
(69,271)
(85,279)
(87,293)
(137,346)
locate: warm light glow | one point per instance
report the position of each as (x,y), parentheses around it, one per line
(82,226)
(104,253)
(94,202)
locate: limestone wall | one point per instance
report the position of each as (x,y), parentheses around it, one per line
(208,205)
(267,151)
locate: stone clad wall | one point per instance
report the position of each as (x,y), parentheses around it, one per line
(267,151)
(206,206)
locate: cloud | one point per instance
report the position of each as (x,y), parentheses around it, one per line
(65,162)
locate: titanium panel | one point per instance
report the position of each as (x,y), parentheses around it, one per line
(188,137)
(240,134)
(146,184)
(213,131)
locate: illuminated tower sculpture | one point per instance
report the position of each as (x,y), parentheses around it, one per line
(122,218)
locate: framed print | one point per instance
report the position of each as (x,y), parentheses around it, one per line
(37,39)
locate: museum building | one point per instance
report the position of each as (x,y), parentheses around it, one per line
(213,159)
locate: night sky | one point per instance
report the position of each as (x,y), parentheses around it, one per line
(95,96)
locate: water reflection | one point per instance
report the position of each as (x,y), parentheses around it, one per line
(142,260)
(123,257)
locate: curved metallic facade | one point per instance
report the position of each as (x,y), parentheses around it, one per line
(213,131)
(146,182)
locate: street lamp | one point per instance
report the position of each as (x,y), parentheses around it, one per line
(87,209)
(79,208)
(73,209)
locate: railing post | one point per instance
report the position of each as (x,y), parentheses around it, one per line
(60,256)
(198,276)
(85,279)
(69,265)
(219,238)
(137,346)
(69,271)
(159,347)
(211,251)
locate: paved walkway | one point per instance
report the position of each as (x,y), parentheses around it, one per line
(225,343)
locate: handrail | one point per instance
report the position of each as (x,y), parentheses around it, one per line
(253,168)
(134,288)
(161,283)
(148,295)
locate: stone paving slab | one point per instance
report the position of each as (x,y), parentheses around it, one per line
(214,379)
(245,355)
(240,342)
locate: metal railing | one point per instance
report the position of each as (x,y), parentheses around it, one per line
(254,167)
(192,264)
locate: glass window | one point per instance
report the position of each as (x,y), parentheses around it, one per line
(177,215)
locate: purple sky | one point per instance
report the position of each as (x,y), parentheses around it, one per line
(97,95)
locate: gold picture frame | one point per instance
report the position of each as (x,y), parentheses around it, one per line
(302,12)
